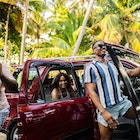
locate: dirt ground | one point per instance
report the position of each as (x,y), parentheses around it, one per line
(2,136)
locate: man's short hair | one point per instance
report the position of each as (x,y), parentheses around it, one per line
(94,45)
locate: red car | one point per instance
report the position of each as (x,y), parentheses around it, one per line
(34,115)
(37,116)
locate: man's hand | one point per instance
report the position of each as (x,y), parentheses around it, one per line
(112,123)
(9,83)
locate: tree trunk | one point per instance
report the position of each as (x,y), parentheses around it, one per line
(78,42)
(24,29)
(6,36)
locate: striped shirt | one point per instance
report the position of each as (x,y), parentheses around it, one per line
(106,78)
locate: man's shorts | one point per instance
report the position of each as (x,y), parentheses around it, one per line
(3,115)
(116,111)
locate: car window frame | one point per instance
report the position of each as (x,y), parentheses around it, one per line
(41,79)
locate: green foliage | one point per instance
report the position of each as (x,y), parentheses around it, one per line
(53,27)
(118,21)
(37,5)
(1,48)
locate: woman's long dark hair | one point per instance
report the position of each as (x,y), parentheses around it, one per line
(55,83)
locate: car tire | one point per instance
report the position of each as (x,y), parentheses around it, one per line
(13,133)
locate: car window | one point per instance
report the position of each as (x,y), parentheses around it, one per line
(80,73)
(19,77)
(47,84)
(33,83)
(40,86)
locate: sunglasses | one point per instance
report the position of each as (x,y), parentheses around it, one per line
(102,46)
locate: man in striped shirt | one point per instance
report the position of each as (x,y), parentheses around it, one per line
(102,82)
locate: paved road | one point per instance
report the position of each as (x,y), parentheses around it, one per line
(2,136)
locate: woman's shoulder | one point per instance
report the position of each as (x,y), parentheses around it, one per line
(55,94)
(55,90)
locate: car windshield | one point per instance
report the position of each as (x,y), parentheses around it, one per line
(126,53)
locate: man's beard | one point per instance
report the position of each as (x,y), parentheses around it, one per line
(102,55)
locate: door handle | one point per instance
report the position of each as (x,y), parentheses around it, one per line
(28,117)
(34,118)
(38,117)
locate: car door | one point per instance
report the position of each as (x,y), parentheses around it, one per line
(38,118)
(44,121)
(131,92)
(84,105)
(41,118)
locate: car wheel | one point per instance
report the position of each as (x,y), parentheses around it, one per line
(13,134)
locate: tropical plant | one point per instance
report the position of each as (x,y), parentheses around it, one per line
(53,26)
(64,25)
(118,22)
(10,14)
(14,18)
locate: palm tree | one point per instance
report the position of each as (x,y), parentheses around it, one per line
(24,28)
(111,20)
(118,22)
(59,30)
(13,14)
(64,26)
(78,42)
(32,5)
(6,36)
(9,3)
(37,25)
(115,22)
